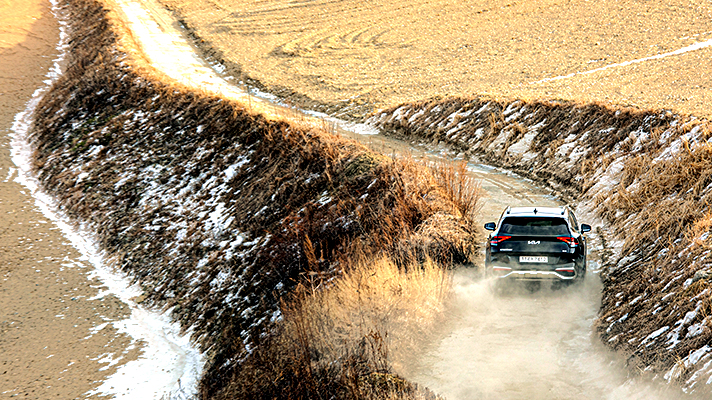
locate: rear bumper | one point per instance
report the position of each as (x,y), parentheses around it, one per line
(559,272)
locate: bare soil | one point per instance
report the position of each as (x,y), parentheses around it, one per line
(358,56)
(46,348)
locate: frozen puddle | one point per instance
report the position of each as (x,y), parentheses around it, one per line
(169,366)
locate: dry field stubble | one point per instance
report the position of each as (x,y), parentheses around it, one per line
(355,56)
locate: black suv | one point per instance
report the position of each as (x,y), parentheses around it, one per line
(536,244)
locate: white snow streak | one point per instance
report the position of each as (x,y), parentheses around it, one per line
(693,47)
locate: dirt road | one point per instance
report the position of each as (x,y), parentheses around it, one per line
(48,349)
(526,346)
(530,346)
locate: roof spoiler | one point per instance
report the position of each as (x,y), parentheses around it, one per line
(563,210)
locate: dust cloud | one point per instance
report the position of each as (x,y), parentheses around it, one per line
(526,343)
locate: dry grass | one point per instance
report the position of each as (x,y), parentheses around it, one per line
(554,121)
(668,196)
(459,186)
(338,339)
(701,227)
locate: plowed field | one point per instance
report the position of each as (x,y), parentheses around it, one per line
(364,55)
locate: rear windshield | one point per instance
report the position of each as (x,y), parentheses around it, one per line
(549,226)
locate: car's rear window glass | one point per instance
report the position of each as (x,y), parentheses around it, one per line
(534,226)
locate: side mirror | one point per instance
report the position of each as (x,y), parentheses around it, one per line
(585,228)
(490,226)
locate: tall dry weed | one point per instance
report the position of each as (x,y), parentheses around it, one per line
(459,186)
(373,315)
(701,230)
(341,339)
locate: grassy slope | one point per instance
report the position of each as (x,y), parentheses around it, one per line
(220,214)
(648,173)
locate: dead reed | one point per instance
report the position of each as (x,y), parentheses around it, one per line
(338,339)
(460,187)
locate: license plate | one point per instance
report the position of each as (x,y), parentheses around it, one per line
(533,259)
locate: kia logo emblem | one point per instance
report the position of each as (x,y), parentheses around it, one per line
(534,242)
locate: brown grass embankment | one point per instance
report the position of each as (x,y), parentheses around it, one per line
(342,342)
(224,216)
(648,173)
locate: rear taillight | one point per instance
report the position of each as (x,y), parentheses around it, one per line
(498,239)
(567,269)
(571,241)
(568,272)
(501,271)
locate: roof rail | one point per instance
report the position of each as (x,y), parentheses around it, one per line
(508,209)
